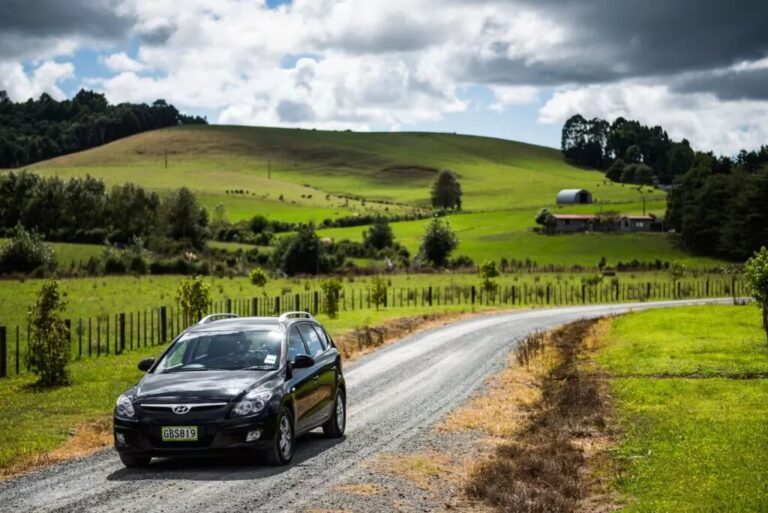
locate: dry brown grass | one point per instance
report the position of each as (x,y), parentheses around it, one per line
(422,469)
(365,489)
(86,439)
(545,458)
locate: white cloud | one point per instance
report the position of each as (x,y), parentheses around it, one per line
(119,62)
(514,95)
(21,85)
(724,127)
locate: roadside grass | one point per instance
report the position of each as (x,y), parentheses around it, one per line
(690,444)
(43,426)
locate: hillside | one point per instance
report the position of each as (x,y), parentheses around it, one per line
(315,173)
(496,174)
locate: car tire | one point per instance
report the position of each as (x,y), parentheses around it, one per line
(279,453)
(135,461)
(335,426)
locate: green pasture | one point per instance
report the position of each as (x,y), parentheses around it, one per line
(691,395)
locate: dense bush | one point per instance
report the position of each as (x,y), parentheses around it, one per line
(193,297)
(438,242)
(26,252)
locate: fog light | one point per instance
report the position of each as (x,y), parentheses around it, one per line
(120,438)
(253,435)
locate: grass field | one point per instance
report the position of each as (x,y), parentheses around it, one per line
(695,435)
(504,184)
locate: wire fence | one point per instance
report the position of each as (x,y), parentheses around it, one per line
(112,334)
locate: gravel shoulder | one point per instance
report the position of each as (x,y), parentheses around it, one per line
(396,395)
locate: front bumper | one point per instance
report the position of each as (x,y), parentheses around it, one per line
(142,437)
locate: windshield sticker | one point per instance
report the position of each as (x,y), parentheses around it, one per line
(270,359)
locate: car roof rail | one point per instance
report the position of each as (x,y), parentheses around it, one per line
(217,317)
(296,315)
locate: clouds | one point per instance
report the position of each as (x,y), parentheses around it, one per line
(366,64)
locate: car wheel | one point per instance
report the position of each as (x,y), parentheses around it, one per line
(335,426)
(281,450)
(135,461)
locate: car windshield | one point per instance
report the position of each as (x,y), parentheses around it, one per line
(233,350)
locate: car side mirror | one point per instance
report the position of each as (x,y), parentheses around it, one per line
(303,361)
(146,364)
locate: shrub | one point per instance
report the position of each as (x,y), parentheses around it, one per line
(49,349)
(258,277)
(756,270)
(379,291)
(193,297)
(488,272)
(331,289)
(438,242)
(26,252)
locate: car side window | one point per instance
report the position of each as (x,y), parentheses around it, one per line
(295,345)
(324,339)
(310,337)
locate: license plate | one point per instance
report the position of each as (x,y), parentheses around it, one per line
(178,433)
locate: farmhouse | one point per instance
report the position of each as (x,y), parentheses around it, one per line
(574,196)
(575,223)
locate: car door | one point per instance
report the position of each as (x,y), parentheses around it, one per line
(324,372)
(302,384)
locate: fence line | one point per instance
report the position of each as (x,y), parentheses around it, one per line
(97,336)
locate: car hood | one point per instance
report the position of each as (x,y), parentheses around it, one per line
(200,385)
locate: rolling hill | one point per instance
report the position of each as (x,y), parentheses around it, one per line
(309,175)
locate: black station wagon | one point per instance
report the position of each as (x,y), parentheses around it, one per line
(234,384)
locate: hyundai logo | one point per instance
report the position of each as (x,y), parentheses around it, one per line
(181,409)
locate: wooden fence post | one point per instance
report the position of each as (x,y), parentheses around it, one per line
(163,324)
(122,332)
(68,327)
(255,307)
(473,294)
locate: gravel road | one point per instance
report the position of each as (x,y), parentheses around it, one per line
(394,394)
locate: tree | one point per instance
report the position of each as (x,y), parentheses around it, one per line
(48,352)
(438,242)
(26,252)
(379,291)
(616,171)
(184,218)
(331,289)
(304,253)
(446,190)
(545,219)
(676,272)
(379,235)
(756,270)
(488,272)
(193,297)
(584,142)
(258,277)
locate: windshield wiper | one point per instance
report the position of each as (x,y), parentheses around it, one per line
(182,369)
(259,367)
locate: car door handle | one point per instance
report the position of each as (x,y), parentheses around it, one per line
(333,367)
(316,377)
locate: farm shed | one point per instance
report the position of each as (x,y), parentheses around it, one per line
(574,196)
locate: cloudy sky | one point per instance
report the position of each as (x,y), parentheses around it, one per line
(514,69)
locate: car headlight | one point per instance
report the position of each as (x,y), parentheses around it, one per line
(252,403)
(124,407)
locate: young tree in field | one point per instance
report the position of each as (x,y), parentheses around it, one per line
(438,242)
(676,272)
(331,289)
(379,291)
(488,273)
(185,219)
(193,296)
(379,235)
(49,350)
(446,190)
(258,277)
(756,270)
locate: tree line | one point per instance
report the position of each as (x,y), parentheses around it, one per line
(40,129)
(84,210)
